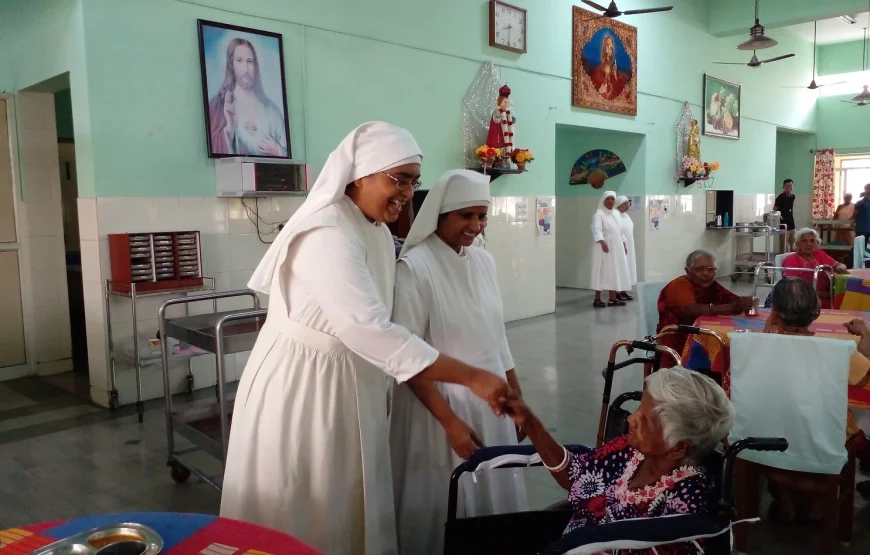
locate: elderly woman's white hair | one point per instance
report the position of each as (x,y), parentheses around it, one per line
(807,231)
(690,407)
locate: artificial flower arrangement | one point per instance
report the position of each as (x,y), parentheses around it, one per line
(522,156)
(486,151)
(692,167)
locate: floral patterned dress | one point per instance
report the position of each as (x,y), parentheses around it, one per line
(600,492)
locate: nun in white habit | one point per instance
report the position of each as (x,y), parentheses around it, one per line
(609,264)
(309,444)
(447,292)
(627,226)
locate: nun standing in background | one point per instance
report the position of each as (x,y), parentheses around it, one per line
(627,226)
(447,292)
(309,445)
(609,264)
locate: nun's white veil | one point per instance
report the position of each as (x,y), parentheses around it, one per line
(603,198)
(455,190)
(370,148)
(620,200)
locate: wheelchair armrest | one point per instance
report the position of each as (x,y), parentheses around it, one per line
(486,454)
(639,533)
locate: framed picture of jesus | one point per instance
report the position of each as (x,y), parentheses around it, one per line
(244,92)
(604,64)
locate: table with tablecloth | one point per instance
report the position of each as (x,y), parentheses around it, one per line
(183,534)
(703,351)
(852,290)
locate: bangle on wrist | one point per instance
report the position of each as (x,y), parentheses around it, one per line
(563,465)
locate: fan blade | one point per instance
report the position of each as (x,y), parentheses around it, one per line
(594,5)
(648,10)
(794,86)
(777,58)
(849,102)
(730,63)
(829,84)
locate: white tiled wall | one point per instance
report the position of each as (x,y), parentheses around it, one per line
(231,250)
(42,244)
(661,252)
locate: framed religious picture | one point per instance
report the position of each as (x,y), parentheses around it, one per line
(244,92)
(721,108)
(604,64)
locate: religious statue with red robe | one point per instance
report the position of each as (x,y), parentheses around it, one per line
(501,124)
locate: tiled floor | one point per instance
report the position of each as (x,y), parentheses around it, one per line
(60,457)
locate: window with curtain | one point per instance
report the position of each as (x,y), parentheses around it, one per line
(851,173)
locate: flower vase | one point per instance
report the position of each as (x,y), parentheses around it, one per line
(521,166)
(488,161)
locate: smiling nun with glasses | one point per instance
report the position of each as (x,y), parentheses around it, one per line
(309,446)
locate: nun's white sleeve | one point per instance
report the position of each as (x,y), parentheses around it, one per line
(597,227)
(332,268)
(410,308)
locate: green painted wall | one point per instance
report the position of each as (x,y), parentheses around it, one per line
(41,40)
(63,115)
(794,161)
(843,57)
(348,62)
(843,126)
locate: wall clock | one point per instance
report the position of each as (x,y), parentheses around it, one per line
(507,27)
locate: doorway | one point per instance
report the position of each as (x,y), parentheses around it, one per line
(66,151)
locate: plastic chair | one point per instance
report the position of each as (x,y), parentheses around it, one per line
(796,387)
(648,297)
(859,254)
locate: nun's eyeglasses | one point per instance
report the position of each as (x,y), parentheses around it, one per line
(403,184)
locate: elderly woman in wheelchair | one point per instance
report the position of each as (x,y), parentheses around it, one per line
(656,469)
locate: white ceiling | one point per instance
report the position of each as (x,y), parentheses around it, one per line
(831,30)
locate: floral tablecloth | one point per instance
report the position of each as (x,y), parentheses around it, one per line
(183,534)
(702,351)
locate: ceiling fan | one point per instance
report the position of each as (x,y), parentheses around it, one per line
(813,86)
(612,11)
(757,40)
(863,98)
(755,62)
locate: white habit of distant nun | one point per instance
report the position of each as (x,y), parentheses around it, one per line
(609,263)
(309,444)
(447,292)
(627,225)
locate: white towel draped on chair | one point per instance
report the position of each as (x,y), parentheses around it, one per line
(793,387)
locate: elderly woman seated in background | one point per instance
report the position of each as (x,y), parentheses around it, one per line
(808,256)
(695,294)
(653,471)
(795,307)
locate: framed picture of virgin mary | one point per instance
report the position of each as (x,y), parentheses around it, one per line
(604,64)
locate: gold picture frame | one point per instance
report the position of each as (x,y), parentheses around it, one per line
(608,85)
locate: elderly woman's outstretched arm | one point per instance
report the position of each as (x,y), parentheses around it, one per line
(552,453)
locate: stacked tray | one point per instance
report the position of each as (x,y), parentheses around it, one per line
(188,255)
(141,258)
(164,256)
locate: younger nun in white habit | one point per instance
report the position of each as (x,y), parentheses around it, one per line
(627,226)
(447,292)
(309,445)
(609,264)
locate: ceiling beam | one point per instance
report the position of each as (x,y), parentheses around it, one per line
(737,16)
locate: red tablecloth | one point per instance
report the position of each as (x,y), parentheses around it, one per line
(183,534)
(703,351)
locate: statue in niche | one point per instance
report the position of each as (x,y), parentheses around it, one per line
(693,149)
(501,124)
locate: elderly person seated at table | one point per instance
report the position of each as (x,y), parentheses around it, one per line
(808,256)
(695,294)
(653,471)
(795,307)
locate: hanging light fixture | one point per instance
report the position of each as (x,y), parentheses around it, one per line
(757,40)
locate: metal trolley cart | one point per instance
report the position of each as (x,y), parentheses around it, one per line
(206,423)
(136,359)
(744,263)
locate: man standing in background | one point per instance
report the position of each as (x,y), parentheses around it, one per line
(861,215)
(784,203)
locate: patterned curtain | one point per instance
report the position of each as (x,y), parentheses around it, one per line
(823,185)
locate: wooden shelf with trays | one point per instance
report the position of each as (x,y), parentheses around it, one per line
(159,261)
